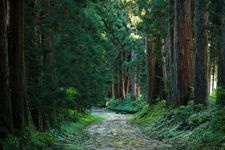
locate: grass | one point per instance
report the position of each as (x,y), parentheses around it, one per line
(70,135)
(193,127)
(30,139)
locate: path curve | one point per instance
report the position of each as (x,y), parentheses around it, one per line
(116,133)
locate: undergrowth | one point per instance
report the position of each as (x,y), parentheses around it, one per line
(72,135)
(126,105)
(68,136)
(193,127)
(30,139)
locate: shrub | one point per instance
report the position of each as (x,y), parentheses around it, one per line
(112,103)
(126,105)
(11,143)
(29,140)
(221,95)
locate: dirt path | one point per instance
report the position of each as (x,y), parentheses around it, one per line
(115,133)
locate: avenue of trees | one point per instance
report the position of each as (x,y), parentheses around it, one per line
(65,55)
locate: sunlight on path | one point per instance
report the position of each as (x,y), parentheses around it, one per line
(115,133)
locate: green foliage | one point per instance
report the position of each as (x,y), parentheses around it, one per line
(67,98)
(126,105)
(80,58)
(197,119)
(220,95)
(155,19)
(188,127)
(213,96)
(11,142)
(79,125)
(74,133)
(210,133)
(112,103)
(71,93)
(66,57)
(150,113)
(30,139)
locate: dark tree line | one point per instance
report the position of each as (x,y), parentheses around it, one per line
(52,62)
(14,113)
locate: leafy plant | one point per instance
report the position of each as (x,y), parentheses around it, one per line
(30,139)
(187,127)
(126,105)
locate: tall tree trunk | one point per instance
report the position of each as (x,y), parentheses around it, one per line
(183,47)
(221,83)
(201,60)
(119,95)
(138,89)
(168,73)
(122,76)
(32,62)
(169,47)
(6,123)
(134,76)
(113,90)
(50,61)
(213,77)
(158,91)
(150,61)
(16,63)
(127,85)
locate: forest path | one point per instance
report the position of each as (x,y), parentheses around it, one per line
(116,133)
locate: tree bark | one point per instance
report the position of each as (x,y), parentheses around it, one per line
(221,83)
(201,60)
(150,64)
(169,47)
(6,123)
(134,76)
(168,75)
(183,47)
(16,63)
(113,90)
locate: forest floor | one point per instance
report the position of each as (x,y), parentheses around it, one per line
(116,133)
